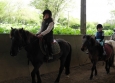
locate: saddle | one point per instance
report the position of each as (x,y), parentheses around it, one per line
(55,47)
(104,52)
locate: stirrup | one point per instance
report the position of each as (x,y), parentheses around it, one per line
(87,52)
(50,57)
(104,53)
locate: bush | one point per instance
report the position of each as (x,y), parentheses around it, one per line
(62,21)
(90,25)
(5,28)
(58,30)
(74,23)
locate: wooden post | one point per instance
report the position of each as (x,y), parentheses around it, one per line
(83,17)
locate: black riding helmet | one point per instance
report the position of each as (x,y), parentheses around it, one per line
(47,12)
(99,26)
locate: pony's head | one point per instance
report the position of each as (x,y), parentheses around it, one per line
(17,40)
(87,42)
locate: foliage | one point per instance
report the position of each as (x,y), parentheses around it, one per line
(109,26)
(56,6)
(91,25)
(110,23)
(74,23)
(5,28)
(16,14)
(66,31)
(63,21)
(2,9)
(58,30)
(12,12)
(108,32)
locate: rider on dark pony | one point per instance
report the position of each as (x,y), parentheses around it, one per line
(99,36)
(47,31)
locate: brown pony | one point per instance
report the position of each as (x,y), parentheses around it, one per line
(95,53)
(22,38)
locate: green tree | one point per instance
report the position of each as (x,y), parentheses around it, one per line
(2,9)
(17,12)
(110,23)
(56,6)
(74,23)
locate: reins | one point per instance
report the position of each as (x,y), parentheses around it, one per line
(30,43)
(25,43)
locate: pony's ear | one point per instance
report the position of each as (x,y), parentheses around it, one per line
(21,29)
(11,28)
(84,36)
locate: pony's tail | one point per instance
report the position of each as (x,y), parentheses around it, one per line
(67,62)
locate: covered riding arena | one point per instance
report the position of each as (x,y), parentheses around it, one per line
(16,69)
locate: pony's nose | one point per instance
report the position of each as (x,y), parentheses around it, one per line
(82,49)
(11,53)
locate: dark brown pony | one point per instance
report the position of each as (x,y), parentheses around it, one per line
(95,53)
(22,38)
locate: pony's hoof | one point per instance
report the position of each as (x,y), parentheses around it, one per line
(56,82)
(67,76)
(33,82)
(90,78)
(95,74)
(107,72)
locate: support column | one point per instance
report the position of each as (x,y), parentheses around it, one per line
(83,17)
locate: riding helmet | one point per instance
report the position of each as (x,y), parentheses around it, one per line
(99,26)
(47,12)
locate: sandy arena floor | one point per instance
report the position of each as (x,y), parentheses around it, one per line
(79,74)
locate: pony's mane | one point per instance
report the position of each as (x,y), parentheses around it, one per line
(26,31)
(21,32)
(28,36)
(91,39)
(94,42)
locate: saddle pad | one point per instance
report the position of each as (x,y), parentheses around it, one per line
(55,47)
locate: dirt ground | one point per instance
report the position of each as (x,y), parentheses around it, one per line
(79,74)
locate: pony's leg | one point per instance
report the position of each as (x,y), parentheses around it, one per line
(38,77)
(62,62)
(67,69)
(36,71)
(92,69)
(95,71)
(33,76)
(67,65)
(107,67)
